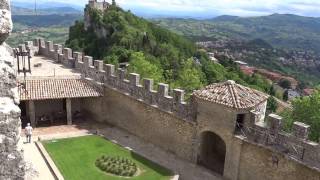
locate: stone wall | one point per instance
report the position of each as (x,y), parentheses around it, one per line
(258,162)
(11,160)
(158,127)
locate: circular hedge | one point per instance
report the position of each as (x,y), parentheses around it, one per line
(119,166)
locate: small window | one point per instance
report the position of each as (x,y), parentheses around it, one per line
(239,123)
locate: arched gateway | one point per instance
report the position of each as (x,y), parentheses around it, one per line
(212,152)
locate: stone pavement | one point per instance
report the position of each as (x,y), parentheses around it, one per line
(37,167)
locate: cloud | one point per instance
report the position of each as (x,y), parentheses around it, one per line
(229,7)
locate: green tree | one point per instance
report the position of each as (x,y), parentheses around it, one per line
(305,110)
(139,64)
(190,77)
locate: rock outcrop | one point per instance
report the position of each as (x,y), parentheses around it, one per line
(5,20)
(11,160)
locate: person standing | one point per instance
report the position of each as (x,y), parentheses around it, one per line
(28,132)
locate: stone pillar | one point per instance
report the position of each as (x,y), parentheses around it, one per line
(32,113)
(69,111)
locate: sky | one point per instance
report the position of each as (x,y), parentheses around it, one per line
(207,8)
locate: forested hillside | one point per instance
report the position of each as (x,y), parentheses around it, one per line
(118,36)
(280,30)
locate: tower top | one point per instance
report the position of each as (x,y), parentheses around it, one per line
(232,95)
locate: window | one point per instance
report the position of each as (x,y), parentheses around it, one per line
(239,123)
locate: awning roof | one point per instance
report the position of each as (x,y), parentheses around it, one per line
(42,89)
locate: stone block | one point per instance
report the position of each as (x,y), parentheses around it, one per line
(87,60)
(49,46)
(121,74)
(163,89)
(98,64)
(178,95)
(148,84)
(275,123)
(134,79)
(67,52)
(109,68)
(57,48)
(77,56)
(300,130)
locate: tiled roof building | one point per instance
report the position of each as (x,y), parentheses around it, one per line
(232,95)
(43,89)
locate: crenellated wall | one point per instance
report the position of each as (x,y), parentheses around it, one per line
(163,118)
(295,146)
(106,74)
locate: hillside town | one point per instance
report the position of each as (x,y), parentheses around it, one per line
(247,55)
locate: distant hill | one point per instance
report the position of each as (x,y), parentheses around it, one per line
(45,11)
(43,4)
(46,20)
(280,30)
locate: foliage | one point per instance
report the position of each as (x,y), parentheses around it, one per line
(80,164)
(306,110)
(285,83)
(272,105)
(117,165)
(138,63)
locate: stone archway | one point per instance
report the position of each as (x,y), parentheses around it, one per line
(212,152)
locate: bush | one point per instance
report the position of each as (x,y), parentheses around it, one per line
(117,165)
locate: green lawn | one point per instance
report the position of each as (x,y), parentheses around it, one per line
(75,158)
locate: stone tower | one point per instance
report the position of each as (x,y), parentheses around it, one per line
(93,4)
(223,110)
(11,161)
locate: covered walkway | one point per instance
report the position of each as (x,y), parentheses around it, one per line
(54,101)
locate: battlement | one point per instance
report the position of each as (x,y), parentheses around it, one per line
(295,145)
(170,101)
(267,133)
(100,5)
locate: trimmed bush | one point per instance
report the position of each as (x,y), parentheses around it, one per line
(119,166)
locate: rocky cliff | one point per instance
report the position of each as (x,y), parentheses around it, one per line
(11,160)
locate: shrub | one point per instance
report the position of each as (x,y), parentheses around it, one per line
(117,165)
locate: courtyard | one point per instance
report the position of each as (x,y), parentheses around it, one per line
(75,158)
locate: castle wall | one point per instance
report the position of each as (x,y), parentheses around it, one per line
(160,128)
(257,161)
(163,118)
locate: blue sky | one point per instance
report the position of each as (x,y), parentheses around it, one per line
(203,8)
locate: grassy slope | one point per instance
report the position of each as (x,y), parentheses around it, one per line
(76,157)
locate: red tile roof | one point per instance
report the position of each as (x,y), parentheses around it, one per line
(42,89)
(232,95)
